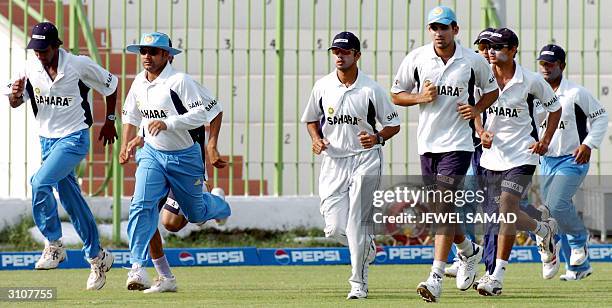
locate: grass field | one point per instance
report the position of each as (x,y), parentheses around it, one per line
(313,286)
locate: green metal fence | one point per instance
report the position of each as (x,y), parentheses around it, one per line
(261,58)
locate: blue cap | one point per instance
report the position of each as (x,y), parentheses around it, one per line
(552,53)
(43,35)
(441,15)
(346,40)
(155,40)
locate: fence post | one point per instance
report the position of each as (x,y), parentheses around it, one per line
(278,117)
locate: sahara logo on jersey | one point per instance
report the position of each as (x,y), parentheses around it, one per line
(154,113)
(449,90)
(504,112)
(392,116)
(62,101)
(342,119)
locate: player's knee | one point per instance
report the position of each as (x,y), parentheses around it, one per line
(37,184)
(173,223)
(335,233)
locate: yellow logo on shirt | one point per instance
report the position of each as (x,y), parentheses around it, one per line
(330,110)
(37,90)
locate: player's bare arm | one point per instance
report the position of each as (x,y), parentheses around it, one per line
(108,133)
(368,141)
(427,95)
(129,142)
(318,144)
(211,146)
(469,112)
(541,147)
(16,97)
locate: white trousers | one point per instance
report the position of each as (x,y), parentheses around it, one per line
(346,186)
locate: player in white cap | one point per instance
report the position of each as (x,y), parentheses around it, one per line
(341,116)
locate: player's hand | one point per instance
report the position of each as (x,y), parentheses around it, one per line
(214,157)
(540,147)
(156,126)
(319,145)
(18,87)
(108,133)
(582,154)
(467,111)
(367,141)
(430,92)
(128,151)
(486,137)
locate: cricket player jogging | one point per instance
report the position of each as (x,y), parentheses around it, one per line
(56,84)
(566,163)
(341,117)
(511,156)
(444,75)
(471,182)
(164,105)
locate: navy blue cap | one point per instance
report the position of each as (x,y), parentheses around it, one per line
(552,53)
(43,35)
(346,40)
(502,36)
(484,34)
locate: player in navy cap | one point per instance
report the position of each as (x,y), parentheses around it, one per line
(566,163)
(56,84)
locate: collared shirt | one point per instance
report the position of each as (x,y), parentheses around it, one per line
(345,112)
(61,106)
(583,120)
(441,128)
(172,97)
(512,120)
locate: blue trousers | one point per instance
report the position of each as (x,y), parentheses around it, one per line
(561,178)
(60,156)
(157,173)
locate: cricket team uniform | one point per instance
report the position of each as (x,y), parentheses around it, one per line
(561,175)
(444,138)
(509,164)
(349,173)
(64,115)
(172,159)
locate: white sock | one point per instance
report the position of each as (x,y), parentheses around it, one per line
(465,248)
(500,270)
(541,229)
(438,267)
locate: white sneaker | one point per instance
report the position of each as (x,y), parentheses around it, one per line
(219,192)
(99,266)
(468,267)
(138,279)
(546,245)
(357,293)
(451,271)
(53,254)
(482,279)
(430,290)
(491,287)
(545,212)
(550,269)
(579,256)
(162,284)
(573,276)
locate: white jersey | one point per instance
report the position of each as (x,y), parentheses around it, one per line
(583,120)
(61,106)
(174,98)
(344,112)
(512,119)
(441,128)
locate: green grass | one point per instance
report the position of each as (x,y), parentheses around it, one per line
(313,286)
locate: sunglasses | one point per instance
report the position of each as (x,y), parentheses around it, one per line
(435,27)
(483,46)
(498,47)
(150,51)
(340,51)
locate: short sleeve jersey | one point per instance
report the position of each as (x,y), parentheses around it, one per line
(512,120)
(175,98)
(583,120)
(345,112)
(61,106)
(441,128)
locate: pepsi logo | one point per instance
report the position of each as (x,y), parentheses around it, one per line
(186,258)
(381,254)
(282,257)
